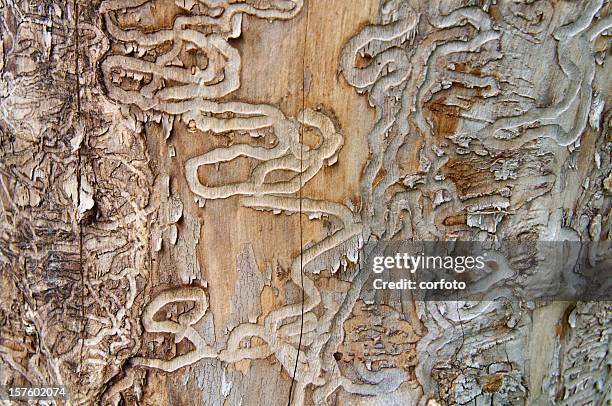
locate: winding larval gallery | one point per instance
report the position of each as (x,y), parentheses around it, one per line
(202,201)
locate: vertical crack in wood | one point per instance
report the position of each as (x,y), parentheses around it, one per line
(299,347)
(78,182)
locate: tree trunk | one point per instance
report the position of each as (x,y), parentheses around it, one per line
(189,189)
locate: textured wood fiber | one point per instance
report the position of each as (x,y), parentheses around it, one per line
(180,179)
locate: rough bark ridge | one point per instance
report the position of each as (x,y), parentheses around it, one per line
(188,187)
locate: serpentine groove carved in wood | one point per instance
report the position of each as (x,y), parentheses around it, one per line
(490,122)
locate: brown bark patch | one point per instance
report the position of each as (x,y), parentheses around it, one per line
(492,383)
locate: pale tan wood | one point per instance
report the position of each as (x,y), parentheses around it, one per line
(126,274)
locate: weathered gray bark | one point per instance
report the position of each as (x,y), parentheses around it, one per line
(183,183)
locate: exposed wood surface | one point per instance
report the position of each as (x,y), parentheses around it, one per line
(188,189)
